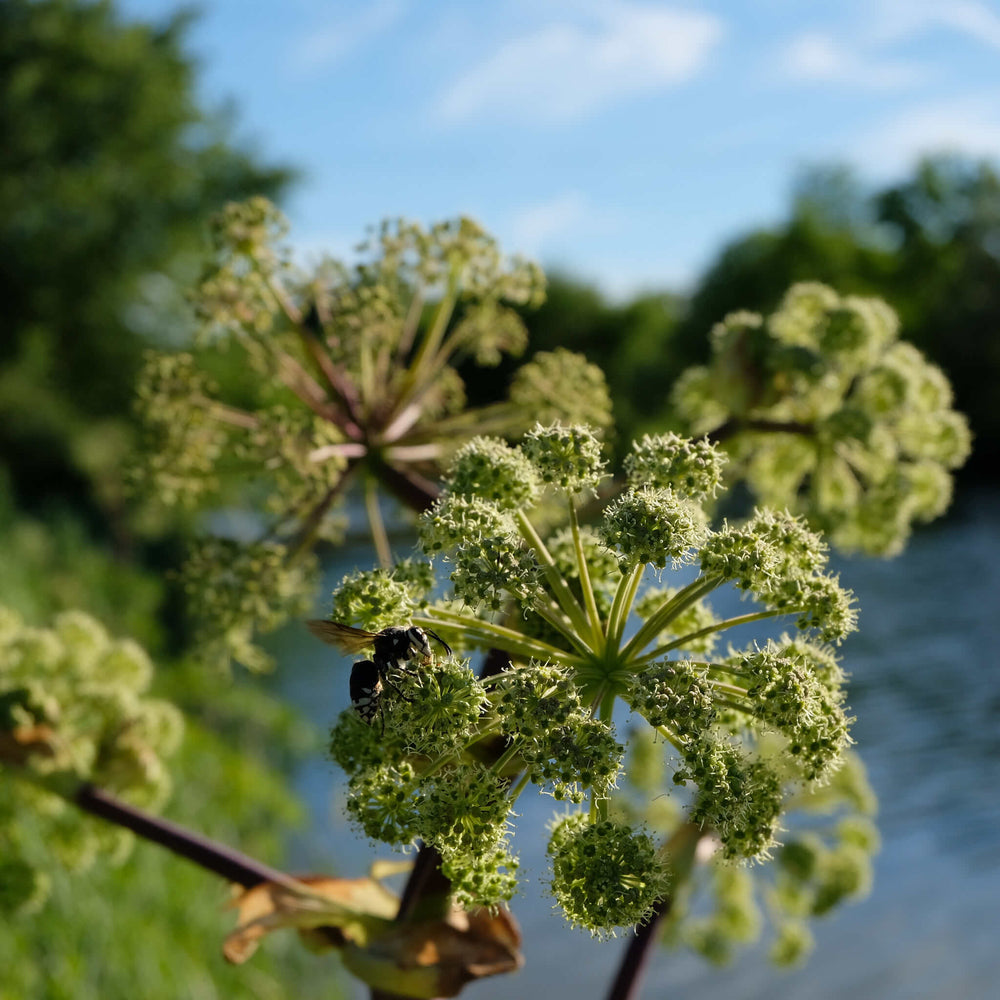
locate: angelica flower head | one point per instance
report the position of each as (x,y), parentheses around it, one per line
(746,730)
(822,407)
(301,382)
(605,875)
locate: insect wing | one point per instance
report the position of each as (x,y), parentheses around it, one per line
(345,637)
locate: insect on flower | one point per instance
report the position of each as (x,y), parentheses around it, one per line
(395,647)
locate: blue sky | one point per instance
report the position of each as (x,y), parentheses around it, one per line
(621,140)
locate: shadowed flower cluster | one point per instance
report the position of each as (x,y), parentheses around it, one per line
(302,382)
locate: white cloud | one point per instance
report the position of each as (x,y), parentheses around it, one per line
(896,19)
(969,125)
(566,70)
(818,58)
(326,44)
(534,228)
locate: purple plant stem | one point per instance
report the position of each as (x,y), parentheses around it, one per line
(208,854)
(636,958)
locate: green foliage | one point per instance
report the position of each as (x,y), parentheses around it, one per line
(53,565)
(751,730)
(141,908)
(108,171)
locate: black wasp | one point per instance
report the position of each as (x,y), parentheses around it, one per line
(395,647)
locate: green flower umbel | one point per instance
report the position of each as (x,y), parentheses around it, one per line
(449,755)
(820,403)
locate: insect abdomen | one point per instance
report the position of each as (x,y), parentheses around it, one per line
(366,687)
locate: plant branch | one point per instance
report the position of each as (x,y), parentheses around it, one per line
(560,588)
(380,538)
(681,641)
(209,854)
(684,597)
(585,584)
(624,595)
(512,641)
(635,961)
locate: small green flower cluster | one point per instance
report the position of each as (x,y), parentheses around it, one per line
(561,745)
(184,442)
(605,874)
(237,589)
(671,462)
(749,730)
(414,775)
(676,694)
(786,694)
(562,385)
(778,560)
(375,599)
(735,919)
(821,401)
(653,526)
(740,797)
(74,710)
(236,297)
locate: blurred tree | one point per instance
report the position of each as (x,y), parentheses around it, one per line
(945,224)
(108,170)
(930,246)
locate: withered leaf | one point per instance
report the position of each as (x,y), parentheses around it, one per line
(421,959)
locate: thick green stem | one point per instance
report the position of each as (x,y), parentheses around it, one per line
(622,603)
(670,737)
(430,343)
(370,389)
(685,597)
(510,641)
(410,325)
(380,537)
(495,418)
(589,600)
(518,787)
(552,613)
(684,640)
(505,758)
(560,588)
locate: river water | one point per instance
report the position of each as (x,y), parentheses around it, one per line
(926,692)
